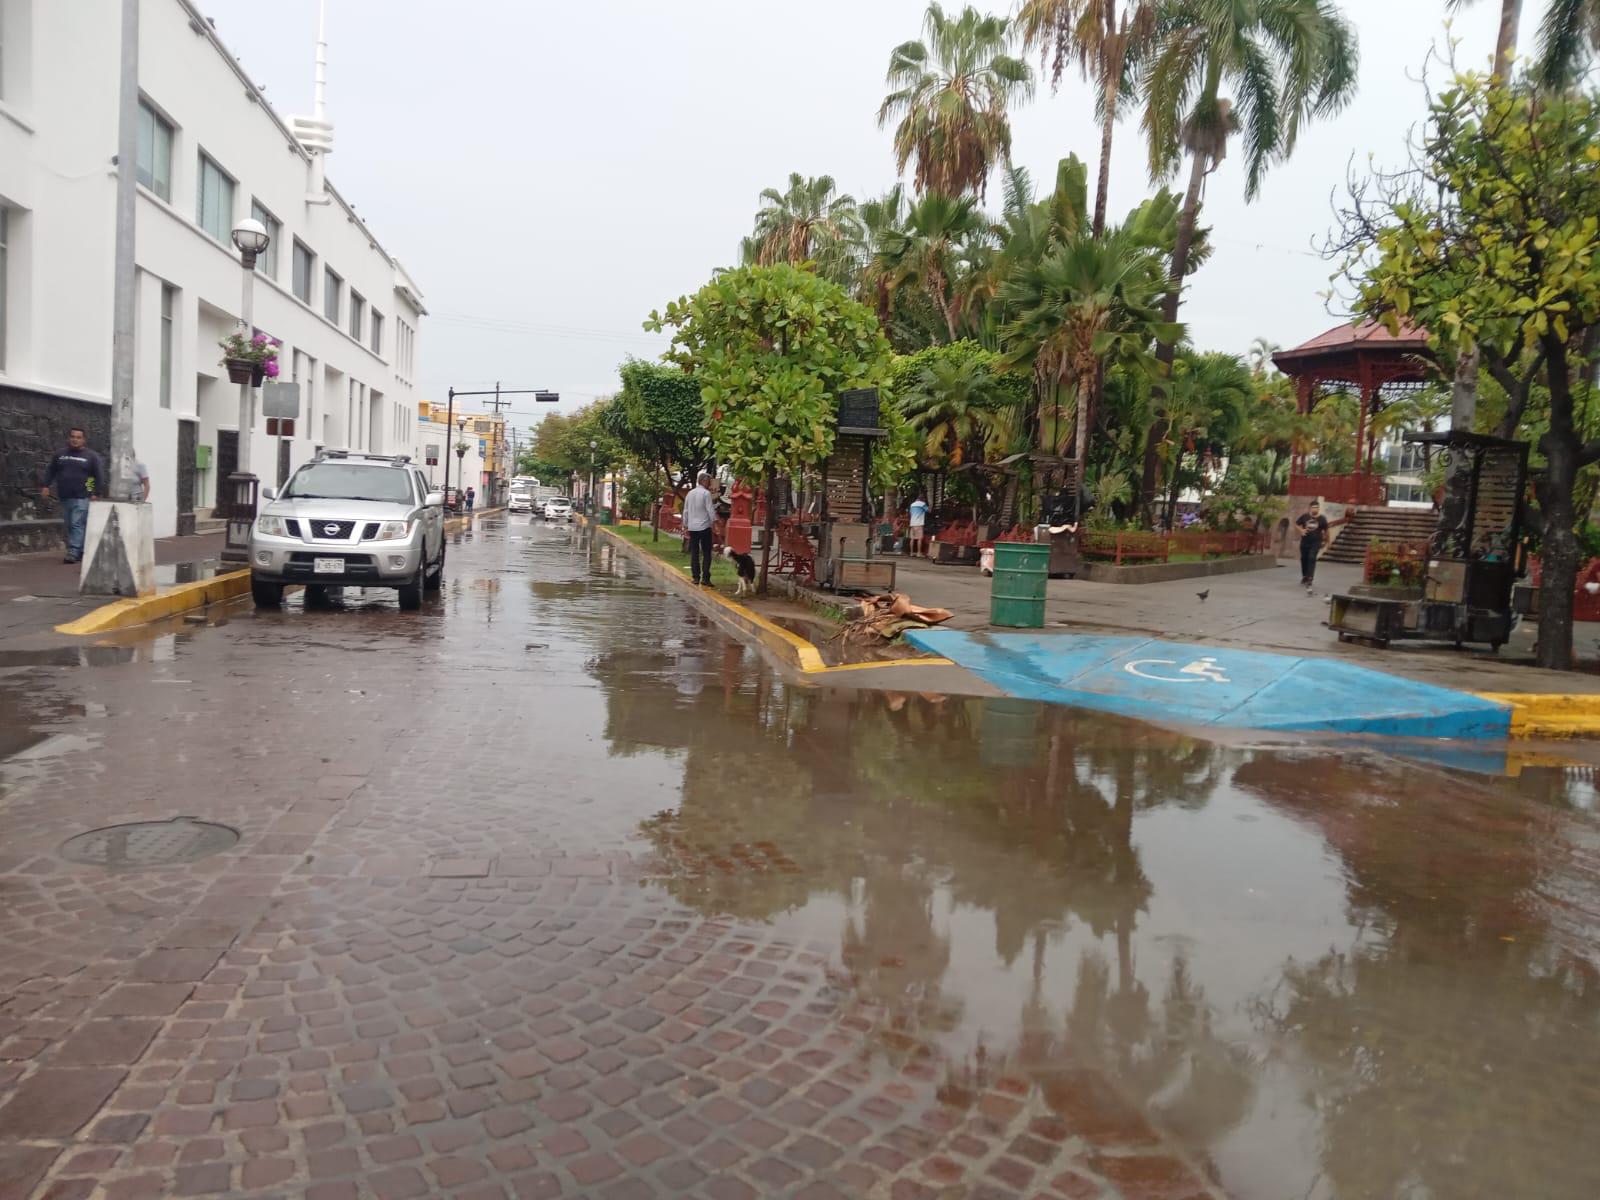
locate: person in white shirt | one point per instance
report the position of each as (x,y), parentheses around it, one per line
(917,530)
(699,515)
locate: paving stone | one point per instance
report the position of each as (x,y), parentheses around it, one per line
(56,1102)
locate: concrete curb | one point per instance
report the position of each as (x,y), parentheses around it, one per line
(789,648)
(1552,715)
(141,610)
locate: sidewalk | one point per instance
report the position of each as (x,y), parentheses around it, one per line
(39,591)
(1257,610)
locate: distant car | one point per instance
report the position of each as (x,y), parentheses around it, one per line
(359,520)
(557,509)
(521,502)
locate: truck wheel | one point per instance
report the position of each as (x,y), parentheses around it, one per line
(410,594)
(435,581)
(266,595)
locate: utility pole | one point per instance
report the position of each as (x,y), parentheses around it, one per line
(539,394)
(121,485)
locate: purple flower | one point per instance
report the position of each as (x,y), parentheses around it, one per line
(260,339)
(271,368)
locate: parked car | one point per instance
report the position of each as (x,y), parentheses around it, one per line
(349,520)
(520,502)
(558,508)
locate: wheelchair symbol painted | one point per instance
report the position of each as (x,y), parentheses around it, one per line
(1202,670)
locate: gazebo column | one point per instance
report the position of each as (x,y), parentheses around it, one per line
(1364,382)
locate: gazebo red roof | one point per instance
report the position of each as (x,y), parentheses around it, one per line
(1350,341)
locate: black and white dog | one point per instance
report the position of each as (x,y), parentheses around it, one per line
(746,566)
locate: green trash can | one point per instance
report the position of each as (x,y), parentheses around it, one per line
(1021,572)
(605,516)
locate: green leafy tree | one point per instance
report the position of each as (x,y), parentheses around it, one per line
(951,95)
(1105,41)
(1493,241)
(807,222)
(658,417)
(772,347)
(1286,62)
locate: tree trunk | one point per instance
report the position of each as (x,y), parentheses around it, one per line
(1505,43)
(1113,82)
(766,533)
(1167,350)
(1559,552)
(1081,449)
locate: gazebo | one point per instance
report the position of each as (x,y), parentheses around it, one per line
(1366,358)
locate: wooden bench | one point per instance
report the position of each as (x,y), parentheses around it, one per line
(796,555)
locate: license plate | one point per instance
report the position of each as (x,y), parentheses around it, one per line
(327,566)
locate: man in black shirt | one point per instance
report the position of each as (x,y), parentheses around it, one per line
(1313,531)
(79,474)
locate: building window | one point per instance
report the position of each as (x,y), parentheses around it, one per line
(155,151)
(169,303)
(274,227)
(358,313)
(377,332)
(214,210)
(331,286)
(302,271)
(5,241)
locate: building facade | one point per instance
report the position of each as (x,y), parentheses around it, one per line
(486,462)
(211,151)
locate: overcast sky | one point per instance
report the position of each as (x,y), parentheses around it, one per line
(550,172)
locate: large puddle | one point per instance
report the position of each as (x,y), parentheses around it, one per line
(1320,970)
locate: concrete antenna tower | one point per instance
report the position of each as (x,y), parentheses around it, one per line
(315,133)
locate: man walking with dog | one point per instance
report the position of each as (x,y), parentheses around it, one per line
(699,515)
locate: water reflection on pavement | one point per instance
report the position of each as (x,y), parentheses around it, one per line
(1120,960)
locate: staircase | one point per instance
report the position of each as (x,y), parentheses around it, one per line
(1385,524)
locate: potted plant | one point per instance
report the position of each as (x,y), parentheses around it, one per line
(250,359)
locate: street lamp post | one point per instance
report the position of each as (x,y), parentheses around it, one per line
(594,506)
(250,238)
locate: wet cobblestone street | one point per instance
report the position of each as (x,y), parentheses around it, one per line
(555,889)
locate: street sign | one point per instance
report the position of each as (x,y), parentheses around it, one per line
(280,399)
(280,426)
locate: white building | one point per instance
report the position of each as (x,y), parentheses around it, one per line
(211,151)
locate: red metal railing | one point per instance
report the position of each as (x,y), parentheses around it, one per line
(1160,547)
(1355,488)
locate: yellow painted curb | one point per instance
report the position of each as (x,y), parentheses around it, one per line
(800,653)
(1550,714)
(141,610)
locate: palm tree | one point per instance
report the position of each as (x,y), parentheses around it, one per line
(924,253)
(808,222)
(1286,61)
(1091,302)
(1206,400)
(954,404)
(1104,42)
(1568,35)
(951,93)
(1260,356)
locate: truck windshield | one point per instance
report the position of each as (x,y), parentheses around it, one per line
(341,481)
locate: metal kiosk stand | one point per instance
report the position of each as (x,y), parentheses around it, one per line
(845,560)
(1472,561)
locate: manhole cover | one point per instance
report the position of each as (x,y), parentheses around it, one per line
(149,843)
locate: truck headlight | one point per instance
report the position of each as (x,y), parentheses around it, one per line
(393,531)
(271,526)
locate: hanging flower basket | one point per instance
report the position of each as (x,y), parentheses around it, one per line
(250,359)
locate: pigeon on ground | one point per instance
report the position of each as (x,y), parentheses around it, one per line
(1203,595)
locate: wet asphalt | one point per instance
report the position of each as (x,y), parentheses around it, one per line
(554,888)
